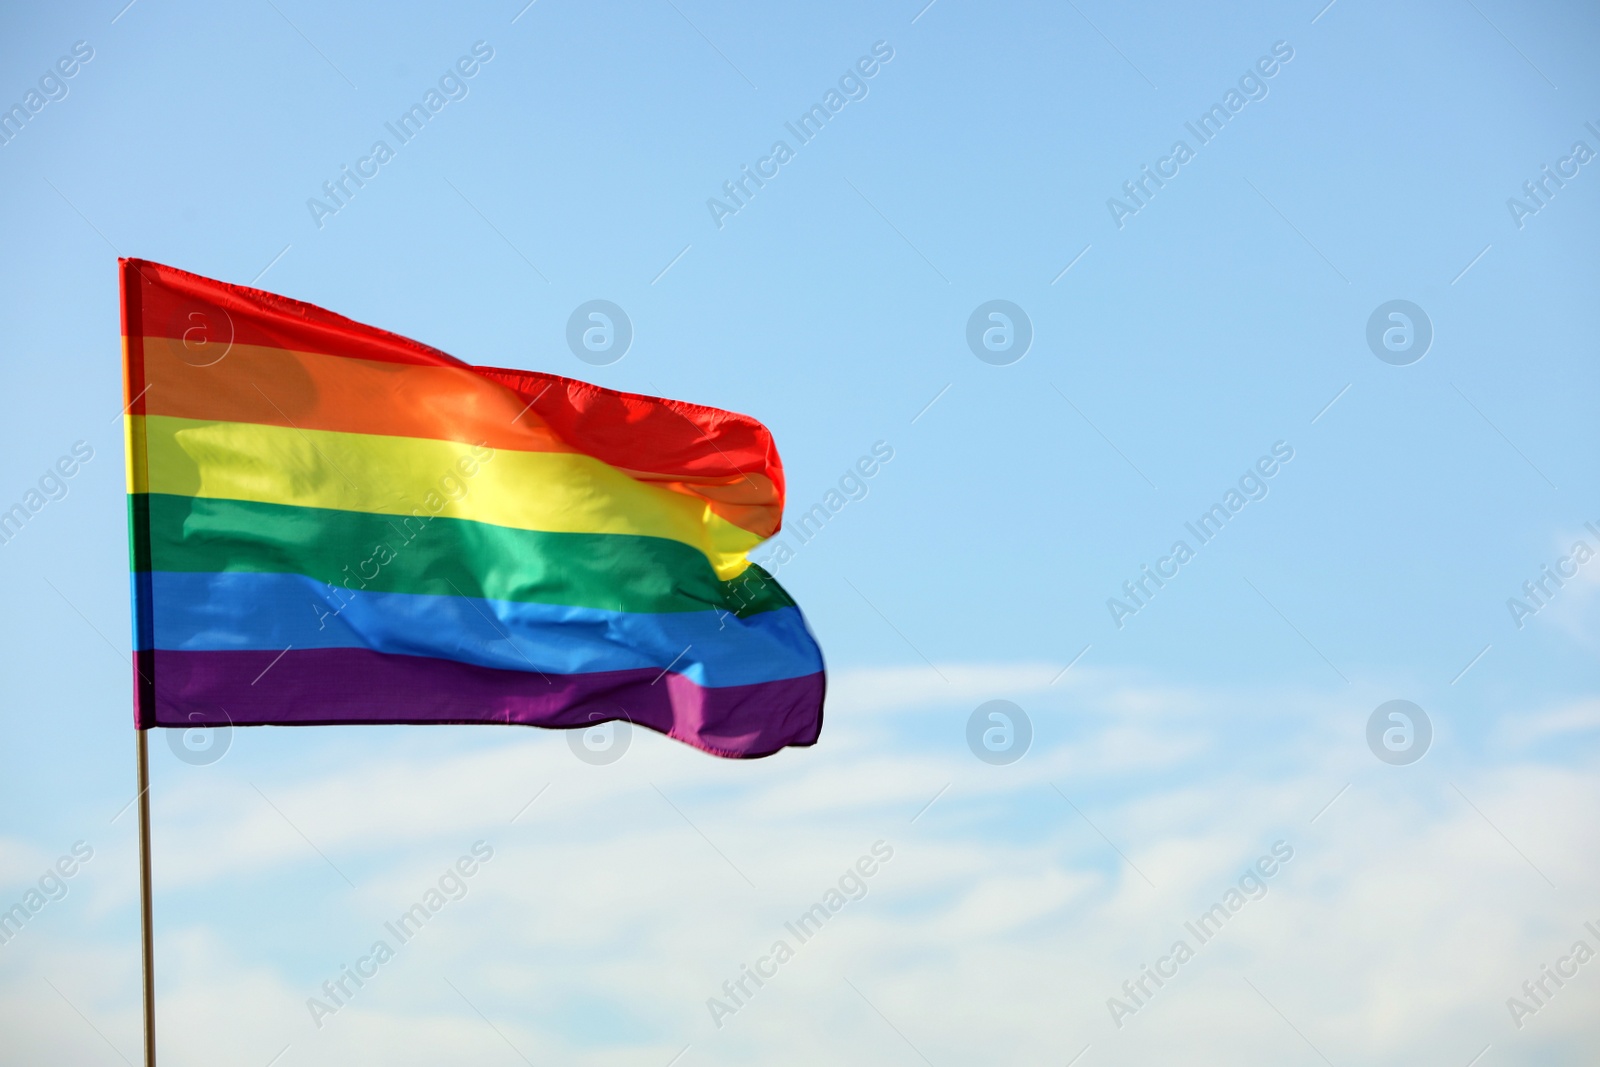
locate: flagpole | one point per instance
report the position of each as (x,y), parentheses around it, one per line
(146,913)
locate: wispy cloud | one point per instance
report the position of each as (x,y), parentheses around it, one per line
(1005,921)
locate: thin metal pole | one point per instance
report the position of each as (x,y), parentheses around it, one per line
(147,914)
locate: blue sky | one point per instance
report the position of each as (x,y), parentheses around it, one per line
(1170,353)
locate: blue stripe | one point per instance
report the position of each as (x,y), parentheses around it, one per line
(242,610)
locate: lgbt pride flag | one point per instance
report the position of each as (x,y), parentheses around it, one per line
(332,524)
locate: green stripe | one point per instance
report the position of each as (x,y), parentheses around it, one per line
(442,557)
(138,532)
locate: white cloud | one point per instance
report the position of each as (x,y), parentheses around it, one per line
(880,690)
(1572,717)
(617,904)
(21,862)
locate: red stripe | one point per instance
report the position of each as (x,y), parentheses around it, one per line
(226,313)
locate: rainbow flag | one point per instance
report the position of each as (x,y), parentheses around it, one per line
(332,524)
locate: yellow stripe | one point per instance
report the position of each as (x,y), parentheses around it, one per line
(559,492)
(133,440)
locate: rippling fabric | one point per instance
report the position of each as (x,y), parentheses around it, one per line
(330,523)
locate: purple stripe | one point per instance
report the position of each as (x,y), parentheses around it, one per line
(352,686)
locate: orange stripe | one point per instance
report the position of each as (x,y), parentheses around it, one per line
(277,387)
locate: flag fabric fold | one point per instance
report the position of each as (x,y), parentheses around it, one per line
(333,524)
